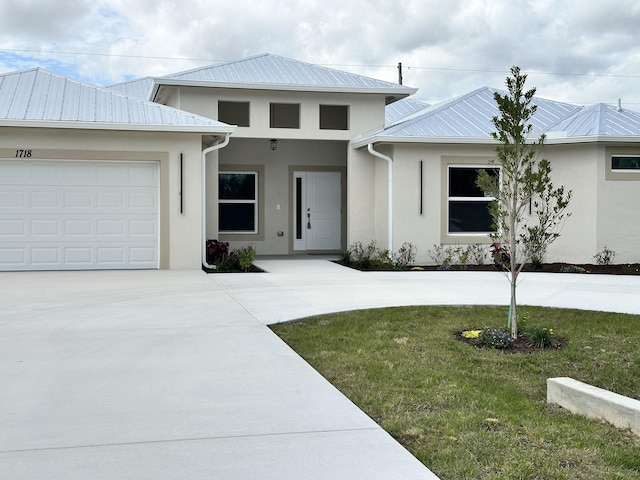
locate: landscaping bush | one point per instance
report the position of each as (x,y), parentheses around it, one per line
(225,260)
(494,338)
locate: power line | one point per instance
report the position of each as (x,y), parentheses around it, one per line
(350,65)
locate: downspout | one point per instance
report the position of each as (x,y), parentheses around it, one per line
(203,208)
(389,161)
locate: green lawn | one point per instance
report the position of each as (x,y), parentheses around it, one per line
(470,413)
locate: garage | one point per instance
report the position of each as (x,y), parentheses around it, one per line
(78,215)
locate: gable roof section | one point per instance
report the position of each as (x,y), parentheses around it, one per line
(38,98)
(273,72)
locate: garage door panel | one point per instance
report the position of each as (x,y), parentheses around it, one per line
(68,225)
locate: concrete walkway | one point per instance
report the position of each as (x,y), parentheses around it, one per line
(172,374)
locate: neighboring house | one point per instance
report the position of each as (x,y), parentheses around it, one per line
(293,157)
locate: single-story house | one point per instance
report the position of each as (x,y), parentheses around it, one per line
(290,156)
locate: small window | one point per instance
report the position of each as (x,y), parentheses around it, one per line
(284,115)
(238,202)
(468,206)
(234,113)
(334,117)
(630,163)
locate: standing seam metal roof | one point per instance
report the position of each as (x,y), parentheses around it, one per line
(469,118)
(274,70)
(36,96)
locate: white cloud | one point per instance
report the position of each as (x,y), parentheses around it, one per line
(447,48)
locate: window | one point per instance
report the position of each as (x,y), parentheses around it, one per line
(284,115)
(334,117)
(234,113)
(630,163)
(468,206)
(238,202)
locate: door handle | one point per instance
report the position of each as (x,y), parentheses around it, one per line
(308,218)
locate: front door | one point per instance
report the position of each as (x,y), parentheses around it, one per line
(317,211)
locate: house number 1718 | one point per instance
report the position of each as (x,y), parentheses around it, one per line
(23,153)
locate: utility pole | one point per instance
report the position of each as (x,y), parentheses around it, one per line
(400,73)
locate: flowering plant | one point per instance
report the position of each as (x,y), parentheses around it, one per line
(541,337)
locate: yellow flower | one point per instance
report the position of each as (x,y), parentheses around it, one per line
(471,333)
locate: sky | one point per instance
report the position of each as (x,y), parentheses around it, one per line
(575,51)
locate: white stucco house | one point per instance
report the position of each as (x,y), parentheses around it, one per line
(293,157)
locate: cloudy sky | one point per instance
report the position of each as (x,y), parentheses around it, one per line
(577,51)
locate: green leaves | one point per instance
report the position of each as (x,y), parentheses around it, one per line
(528,211)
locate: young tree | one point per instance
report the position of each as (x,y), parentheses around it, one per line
(528,211)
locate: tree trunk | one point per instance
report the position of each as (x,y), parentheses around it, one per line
(514,311)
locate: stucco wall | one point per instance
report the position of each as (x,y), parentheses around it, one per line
(574,166)
(618,207)
(179,232)
(275,196)
(366,111)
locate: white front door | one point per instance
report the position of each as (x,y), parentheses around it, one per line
(317,211)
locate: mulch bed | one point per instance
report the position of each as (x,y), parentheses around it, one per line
(519,346)
(620,269)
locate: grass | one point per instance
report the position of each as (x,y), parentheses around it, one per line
(477,413)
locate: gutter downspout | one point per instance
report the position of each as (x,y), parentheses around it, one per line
(203,207)
(389,161)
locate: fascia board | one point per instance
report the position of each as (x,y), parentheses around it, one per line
(118,126)
(489,141)
(406,91)
(446,140)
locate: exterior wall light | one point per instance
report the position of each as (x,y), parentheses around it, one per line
(274,144)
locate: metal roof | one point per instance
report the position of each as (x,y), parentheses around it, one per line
(37,97)
(401,110)
(139,88)
(600,120)
(468,119)
(274,72)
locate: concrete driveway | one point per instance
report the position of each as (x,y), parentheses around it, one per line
(164,375)
(172,374)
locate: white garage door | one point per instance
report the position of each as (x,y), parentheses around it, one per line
(77,215)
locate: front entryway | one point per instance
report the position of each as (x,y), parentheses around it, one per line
(317,211)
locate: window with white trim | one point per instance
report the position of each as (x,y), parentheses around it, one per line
(625,163)
(238,202)
(467,205)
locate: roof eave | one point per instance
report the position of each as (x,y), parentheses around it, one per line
(401,90)
(208,129)
(447,140)
(593,139)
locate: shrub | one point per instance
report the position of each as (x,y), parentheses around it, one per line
(405,256)
(367,257)
(478,253)
(225,260)
(572,269)
(363,256)
(246,256)
(536,264)
(494,338)
(442,255)
(218,253)
(605,256)
(541,337)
